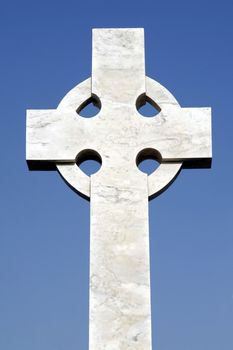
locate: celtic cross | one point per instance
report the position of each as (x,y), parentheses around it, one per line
(120,310)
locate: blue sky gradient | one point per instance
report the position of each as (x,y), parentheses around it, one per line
(44,227)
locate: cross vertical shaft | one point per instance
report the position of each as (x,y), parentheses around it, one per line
(120,315)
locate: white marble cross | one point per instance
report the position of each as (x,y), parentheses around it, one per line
(120,309)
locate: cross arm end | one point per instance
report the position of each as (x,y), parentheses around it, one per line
(191,136)
(38,143)
(201,126)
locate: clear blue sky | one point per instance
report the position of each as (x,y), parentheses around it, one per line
(44,227)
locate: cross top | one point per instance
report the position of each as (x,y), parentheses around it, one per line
(119,134)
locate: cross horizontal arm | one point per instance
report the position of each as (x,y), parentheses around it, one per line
(54,136)
(180,134)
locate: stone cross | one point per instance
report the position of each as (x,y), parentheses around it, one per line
(120,308)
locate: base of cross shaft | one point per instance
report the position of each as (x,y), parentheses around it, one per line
(120,311)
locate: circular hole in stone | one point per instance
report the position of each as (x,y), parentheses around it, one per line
(90,107)
(147,107)
(148,160)
(89,161)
